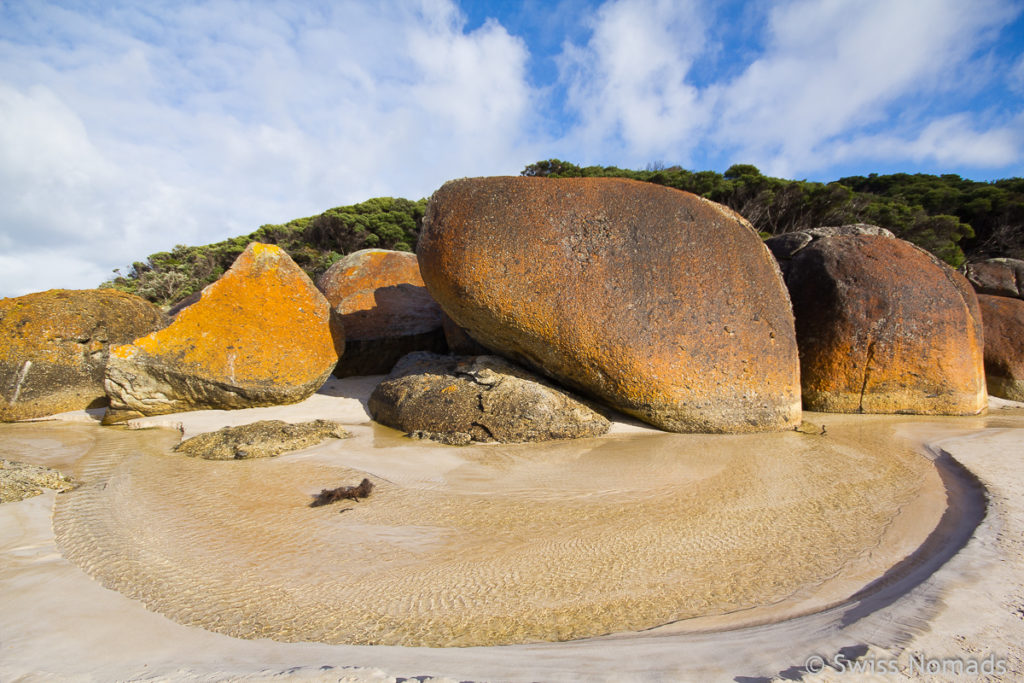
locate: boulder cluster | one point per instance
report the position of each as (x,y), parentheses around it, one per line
(563,299)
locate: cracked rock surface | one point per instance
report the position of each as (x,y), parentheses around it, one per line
(882,326)
(464,399)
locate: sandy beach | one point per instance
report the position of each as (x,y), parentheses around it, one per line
(733,558)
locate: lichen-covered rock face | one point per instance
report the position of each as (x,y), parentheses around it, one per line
(260,335)
(263,439)
(884,327)
(54,347)
(997,276)
(384,307)
(663,304)
(464,399)
(1003,318)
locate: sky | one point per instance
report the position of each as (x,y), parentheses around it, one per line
(127,128)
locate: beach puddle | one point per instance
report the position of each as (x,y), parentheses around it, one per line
(488,545)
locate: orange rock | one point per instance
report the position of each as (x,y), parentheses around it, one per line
(386,310)
(665,305)
(883,327)
(54,347)
(1004,345)
(260,335)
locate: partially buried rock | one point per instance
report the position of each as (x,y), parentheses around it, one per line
(260,335)
(665,305)
(1004,345)
(263,439)
(385,309)
(19,480)
(462,399)
(54,347)
(997,276)
(883,326)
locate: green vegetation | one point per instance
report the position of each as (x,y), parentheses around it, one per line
(314,243)
(954,218)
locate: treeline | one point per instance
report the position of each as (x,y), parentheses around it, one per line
(954,218)
(958,220)
(314,243)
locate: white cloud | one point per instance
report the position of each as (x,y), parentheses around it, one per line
(952,140)
(834,67)
(136,128)
(628,83)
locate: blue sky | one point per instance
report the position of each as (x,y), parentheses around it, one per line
(129,127)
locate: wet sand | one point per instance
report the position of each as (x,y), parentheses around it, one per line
(636,530)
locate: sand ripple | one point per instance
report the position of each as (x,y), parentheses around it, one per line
(496,544)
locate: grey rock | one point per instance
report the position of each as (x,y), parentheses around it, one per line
(464,399)
(997,277)
(19,480)
(263,439)
(786,245)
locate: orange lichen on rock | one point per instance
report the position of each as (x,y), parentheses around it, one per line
(385,309)
(54,347)
(661,303)
(261,335)
(884,327)
(1003,318)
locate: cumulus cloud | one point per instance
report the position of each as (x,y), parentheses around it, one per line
(128,129)
(628,83)
(835,67)
(823,72)
(949,140)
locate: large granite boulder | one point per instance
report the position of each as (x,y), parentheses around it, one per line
(997,276)
(883,326)
(663,304)
(1004,345)
(386,310)
(54,347)
(462,399)
(260,335)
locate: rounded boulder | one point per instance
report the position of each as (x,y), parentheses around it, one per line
(1003,318)
(260,335)
(664,305)
(384,307)
(883,327)
(54,347)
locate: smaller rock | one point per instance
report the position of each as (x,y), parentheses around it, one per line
(463,399)
(785,245)
(997,276)
(1003,319)
(379,297)
(263,439)
(19,480)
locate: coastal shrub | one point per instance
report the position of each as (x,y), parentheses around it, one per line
(954,218)
(314,243)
